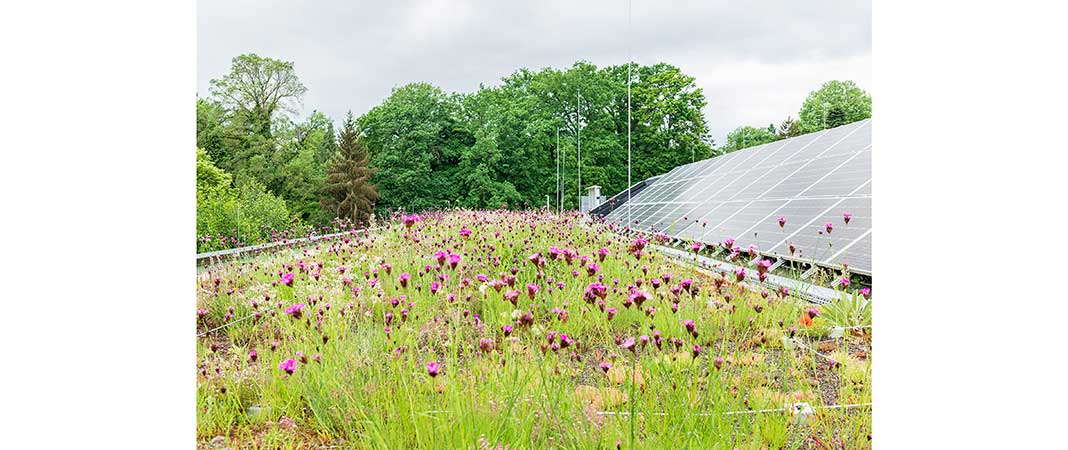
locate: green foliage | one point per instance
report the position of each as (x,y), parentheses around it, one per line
(348,188)
(415,144)
(210,177)
(497,146)
(232,216)
(258,88)
(746,136)
(835,103)
(851,310)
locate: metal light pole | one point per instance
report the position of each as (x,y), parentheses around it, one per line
(578,126)
(559,184)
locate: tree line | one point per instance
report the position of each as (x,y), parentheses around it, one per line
(422,147)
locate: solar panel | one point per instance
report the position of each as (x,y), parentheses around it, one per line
(809,180)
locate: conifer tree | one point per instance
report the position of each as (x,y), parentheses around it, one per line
(348,188)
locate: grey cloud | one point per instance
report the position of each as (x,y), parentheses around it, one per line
(351,54)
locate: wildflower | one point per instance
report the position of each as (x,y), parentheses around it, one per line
(846,217)
(511,296)
(507,329)
(454,259)
(432,368)
(829,226)
(403,279)
(628,344)
(565,341)
(532,290)
(317,358)
(252,356)
(592,268)
(782,222)
(434,287)
(201,313)
(554,253)
(689,325)
(696,350)
(486,345)
(295,310)
(866,292)
(602,253)
(843,283)
(288,366)
(793,249)
(611,312)
(465,233)
(763,265)
(441,256)
(605,366)
(812,312)
(695,247)
(287,279)
(638,297)
(718,362)
(739,274)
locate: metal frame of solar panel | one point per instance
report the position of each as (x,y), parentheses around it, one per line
(810,180)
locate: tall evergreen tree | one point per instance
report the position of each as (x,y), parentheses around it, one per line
(348,188)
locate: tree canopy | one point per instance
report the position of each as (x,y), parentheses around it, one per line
(833,104)
(423,148)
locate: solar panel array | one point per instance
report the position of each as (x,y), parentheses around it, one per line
(810,180)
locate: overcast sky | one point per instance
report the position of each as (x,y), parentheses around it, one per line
(756,61)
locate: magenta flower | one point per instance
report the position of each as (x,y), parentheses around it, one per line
(532,290)
(253,356)
(592,268)
(434,287)
(843,283)
(287,279)
(295,310)
(512,296)
(696,350)
(602,253)
(739,274)
(696,247)
(605,366)
(866,292)
(432,368)
(782,222)
(507,329)
(554,253)
(441,256)
(812,312)
(718,362)
(763,265)
(595,290)
(628,344)
(638,297)
(288,366)
(829,226)
(486,345)
(403,279)
(465,233)
(846,217)
(611,312)
(454,259)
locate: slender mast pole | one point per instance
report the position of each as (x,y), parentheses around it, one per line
(629,64)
